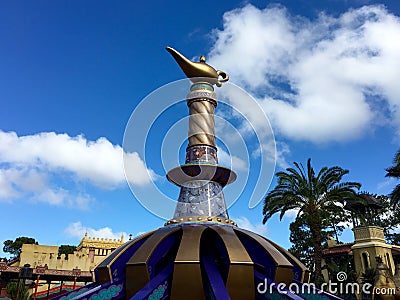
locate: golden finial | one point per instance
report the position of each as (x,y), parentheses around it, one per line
(198,71)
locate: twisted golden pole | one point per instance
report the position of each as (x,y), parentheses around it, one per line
(201,123)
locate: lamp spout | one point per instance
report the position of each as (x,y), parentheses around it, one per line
(198,71)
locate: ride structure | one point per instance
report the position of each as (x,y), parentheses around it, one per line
(200,253)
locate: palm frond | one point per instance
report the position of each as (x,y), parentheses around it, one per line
(395,196)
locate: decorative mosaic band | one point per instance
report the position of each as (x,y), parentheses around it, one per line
(199,198)
(201,154)
(191,101)
(202,86)
(202,92)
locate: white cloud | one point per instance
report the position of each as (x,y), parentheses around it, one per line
(231,161)
(386,186)
(17,182)
(77,230)
(99,161)
(329,79)
(346,224)
(62,197)
(7,191)
(282,150)
(135,170)
(291,213)
(259,228)
(29,164)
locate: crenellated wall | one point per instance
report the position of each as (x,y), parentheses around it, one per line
(90,252)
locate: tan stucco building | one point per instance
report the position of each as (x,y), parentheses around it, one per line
(90,252)
(53,272)
(369,243)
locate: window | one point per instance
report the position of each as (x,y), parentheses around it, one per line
(388,261)
(365,260)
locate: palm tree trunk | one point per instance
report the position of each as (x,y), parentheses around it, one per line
(318,260)
(315,228)
(336,234)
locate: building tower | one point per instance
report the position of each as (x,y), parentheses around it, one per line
(369,243)
(369,240)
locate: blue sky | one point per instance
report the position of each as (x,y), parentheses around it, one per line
(72,73)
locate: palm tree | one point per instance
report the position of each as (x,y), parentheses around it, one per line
(394,172)
(314,196)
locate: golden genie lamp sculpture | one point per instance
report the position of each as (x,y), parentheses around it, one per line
(198,71)
(200,253)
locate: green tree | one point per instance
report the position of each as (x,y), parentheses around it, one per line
(66,249)
(388,218)
(11,289)
(301,239)
(380,213)
(14,247)
(369,277)
(338,264)
(369,209)
(394,172)
(393,238)
(314,196)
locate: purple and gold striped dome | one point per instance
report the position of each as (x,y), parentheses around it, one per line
(197,261)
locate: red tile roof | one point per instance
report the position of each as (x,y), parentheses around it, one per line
(344,248)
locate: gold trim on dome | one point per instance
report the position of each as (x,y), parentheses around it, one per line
(284,268)
(240,281)
(187,279)
(306,274)
(201,219)
(137,271)
(104,271)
